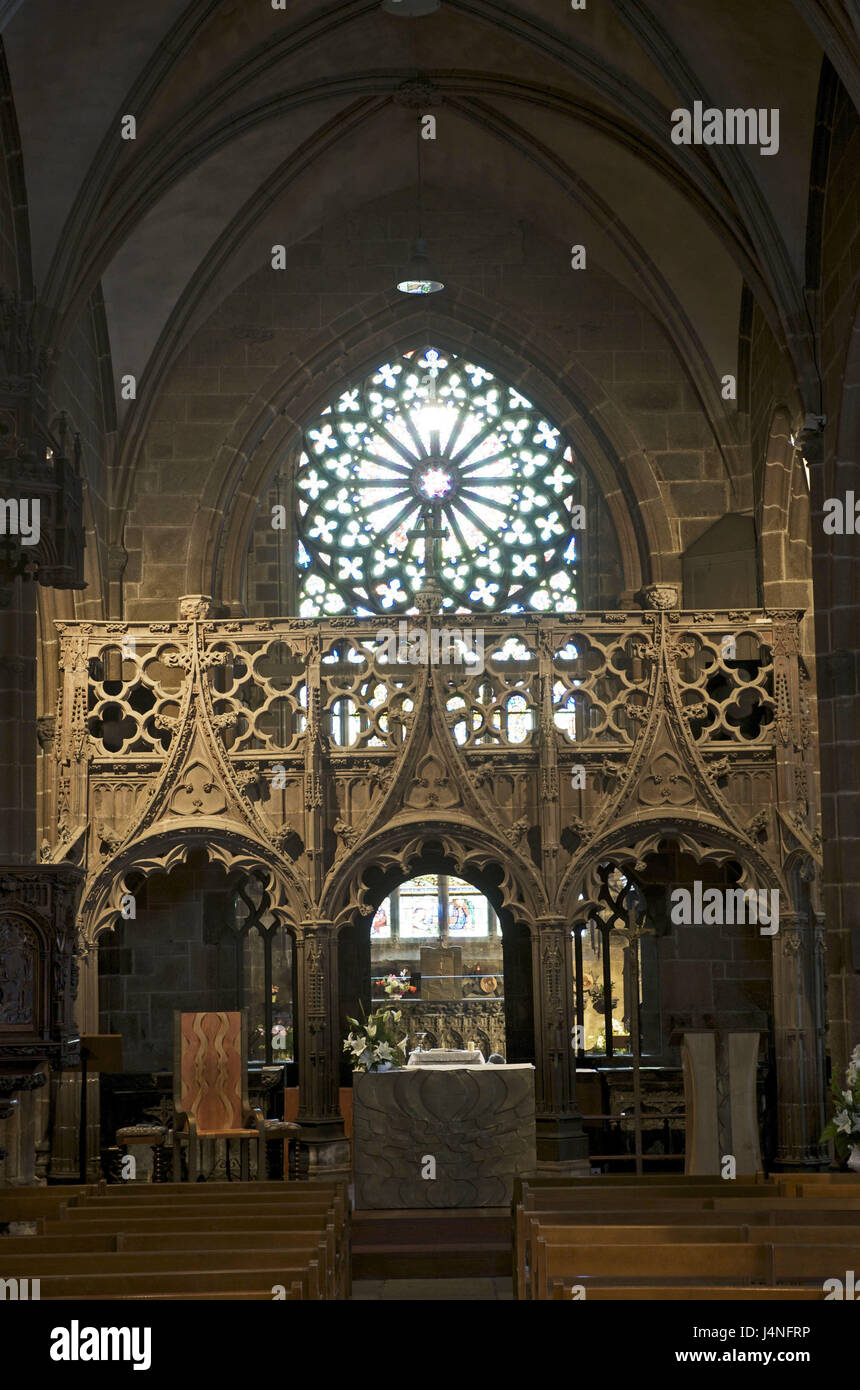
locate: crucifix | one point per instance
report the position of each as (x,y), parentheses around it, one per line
(432,532)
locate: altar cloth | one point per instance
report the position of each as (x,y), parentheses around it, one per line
(476,1124)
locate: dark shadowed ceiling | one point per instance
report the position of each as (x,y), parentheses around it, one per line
(255,125)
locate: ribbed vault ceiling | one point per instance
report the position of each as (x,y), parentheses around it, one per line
(257,124)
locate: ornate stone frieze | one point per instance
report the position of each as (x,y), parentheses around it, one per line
(650,704)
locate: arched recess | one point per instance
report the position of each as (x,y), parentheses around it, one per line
(794,935)
(445,844)
(163,850)
(602,439)
(628,842)
(512,883)
(356,966)
(109,893)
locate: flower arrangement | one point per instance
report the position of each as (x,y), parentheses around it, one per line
(844,1128)
(618,1031)
(371,1041)
(396,986)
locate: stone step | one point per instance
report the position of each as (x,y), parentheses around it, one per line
(472,1243)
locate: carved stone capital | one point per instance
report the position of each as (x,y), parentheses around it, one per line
(659,597)
(194,607)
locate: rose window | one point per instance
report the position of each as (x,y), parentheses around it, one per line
(435,443)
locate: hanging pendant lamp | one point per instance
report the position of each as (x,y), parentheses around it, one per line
(419,276)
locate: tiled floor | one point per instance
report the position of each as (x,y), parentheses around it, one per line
(423,1290)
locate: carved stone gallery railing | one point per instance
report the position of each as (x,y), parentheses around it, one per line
(318,750)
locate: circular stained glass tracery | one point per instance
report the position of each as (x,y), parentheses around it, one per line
(434,442)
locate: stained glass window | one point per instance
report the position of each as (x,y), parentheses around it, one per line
(432,433)
(422,906)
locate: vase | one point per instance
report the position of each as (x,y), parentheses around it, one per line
(382,1066)
(854,1158)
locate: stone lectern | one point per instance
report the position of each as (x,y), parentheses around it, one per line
(442,1136)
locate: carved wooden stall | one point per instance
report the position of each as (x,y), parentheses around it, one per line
(294,749)
(38,980)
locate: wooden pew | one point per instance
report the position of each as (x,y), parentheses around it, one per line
(190,1283)
(557,1253)
(686,1229)
(40,1244)
(292,1293)
(226,1229)
(267,1267)
(220,1242)
(562,1290)
(708,1263)
(32,1203)
(795,1227)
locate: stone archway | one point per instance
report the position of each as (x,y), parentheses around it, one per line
(510,1018)
(539,947)
(111,892)
(794,950)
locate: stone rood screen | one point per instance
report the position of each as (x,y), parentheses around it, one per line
(265,724)
(295,750)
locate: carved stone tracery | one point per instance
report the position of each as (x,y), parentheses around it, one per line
(293,748)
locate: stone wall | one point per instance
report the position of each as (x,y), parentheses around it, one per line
(169,957)
(836,570)
(596,332)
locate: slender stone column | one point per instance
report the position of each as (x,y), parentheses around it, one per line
(797,1024)
(317,1031)
(836,580)
(561,1139)
(18,722)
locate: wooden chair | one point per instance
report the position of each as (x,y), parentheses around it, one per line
(210,1090)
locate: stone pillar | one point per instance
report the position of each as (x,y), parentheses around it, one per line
(800,1085)
(319,1046)
(18,722)
(836,583)
(561,1140)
